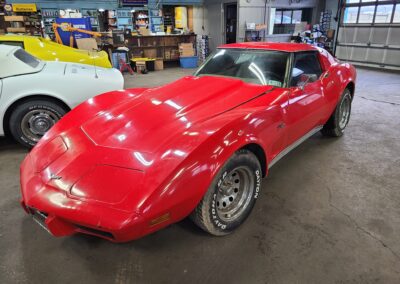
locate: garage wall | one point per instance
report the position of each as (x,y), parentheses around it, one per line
(253,11)
(258,11)
(200,22)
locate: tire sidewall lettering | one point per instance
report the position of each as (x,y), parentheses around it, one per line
(258,183)
(214,215)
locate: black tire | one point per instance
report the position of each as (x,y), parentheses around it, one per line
(208,213)
(337,123)
(48,111)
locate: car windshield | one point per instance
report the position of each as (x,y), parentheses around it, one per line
(25,57)
(262,67)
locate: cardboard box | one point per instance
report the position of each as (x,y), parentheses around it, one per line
(260,27)
(87,44)
(144,32)
(186,49)
(330,34)
(185,46)
(140,66)
(186,52)
(159,65)
(16,30)
(150,53)
(15,18)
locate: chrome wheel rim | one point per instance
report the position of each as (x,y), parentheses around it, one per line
(235,193)
(36,123)
(344,112)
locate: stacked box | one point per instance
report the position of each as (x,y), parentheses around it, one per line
(186,50)
(159,65)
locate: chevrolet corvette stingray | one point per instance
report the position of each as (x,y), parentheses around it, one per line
(127,163)
(35,94)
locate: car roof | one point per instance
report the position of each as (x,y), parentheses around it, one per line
(14,65)
(6,50)
(276,46)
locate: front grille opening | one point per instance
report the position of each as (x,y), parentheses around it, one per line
(96,232)
(38,213)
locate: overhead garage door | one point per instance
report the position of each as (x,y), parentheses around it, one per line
(369,33)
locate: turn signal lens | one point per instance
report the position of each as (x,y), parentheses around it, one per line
(163,218)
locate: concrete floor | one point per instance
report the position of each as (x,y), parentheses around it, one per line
(329,213)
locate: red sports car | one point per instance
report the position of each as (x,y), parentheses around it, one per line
(127,163)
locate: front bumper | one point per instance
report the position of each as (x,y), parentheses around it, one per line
(65,215)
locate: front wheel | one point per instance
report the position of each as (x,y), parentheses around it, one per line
(340,117)
(30,120)
(231,195)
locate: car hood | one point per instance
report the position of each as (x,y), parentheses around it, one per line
(149,119)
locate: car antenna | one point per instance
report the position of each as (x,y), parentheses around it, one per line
(94,64)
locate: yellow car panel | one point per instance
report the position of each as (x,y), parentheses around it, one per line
(50,51)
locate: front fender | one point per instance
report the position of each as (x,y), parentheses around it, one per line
(88,109)
(183,189)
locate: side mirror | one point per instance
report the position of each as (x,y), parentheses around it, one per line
(305,79)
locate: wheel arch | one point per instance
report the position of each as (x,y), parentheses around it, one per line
(259,152)
(351,87)
(10,109)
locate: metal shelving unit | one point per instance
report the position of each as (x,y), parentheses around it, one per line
(94,18)
(49,17)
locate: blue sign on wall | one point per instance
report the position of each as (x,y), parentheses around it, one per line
(80,23)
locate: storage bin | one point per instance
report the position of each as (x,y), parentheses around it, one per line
(188,62)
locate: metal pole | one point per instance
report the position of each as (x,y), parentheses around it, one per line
(338,19)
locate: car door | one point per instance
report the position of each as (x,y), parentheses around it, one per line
(306,98)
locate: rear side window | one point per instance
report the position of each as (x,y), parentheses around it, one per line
(13,43)
(26,58)
(305,63)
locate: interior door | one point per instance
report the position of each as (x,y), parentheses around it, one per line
(230,22)
(306,99)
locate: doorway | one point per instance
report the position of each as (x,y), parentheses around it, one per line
(230,22)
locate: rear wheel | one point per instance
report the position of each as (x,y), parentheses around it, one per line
(30,120)
(340,118)
(231,196)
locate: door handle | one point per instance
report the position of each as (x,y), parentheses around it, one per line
(326,75)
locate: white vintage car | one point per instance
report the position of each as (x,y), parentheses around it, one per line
(35,94)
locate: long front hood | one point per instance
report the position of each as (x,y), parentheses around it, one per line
(157,114)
